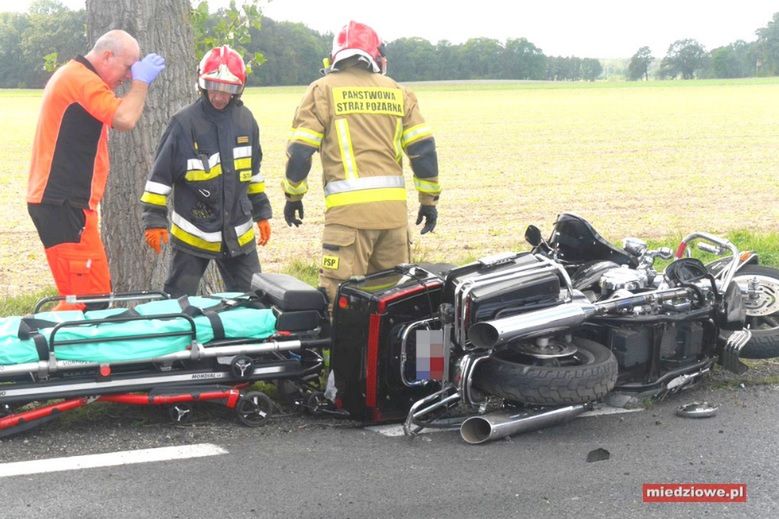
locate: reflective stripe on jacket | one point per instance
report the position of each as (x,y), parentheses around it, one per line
(210,161)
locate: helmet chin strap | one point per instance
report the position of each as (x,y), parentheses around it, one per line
(352,61)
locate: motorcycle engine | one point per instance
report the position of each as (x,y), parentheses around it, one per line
(623,279)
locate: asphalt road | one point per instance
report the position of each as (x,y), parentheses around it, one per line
(310,467)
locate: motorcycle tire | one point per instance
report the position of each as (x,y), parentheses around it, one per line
(591,378)
(764,343)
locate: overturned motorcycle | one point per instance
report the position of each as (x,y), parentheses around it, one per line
(515,342)
(506,344)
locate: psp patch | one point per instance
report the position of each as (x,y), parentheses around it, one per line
(242,139)
(330,262)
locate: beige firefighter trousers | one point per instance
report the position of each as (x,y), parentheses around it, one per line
(348,252)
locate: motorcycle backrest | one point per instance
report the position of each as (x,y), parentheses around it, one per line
(287,293)
(576,241)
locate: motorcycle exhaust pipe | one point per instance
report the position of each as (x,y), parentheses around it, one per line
(488,334)
(480,429)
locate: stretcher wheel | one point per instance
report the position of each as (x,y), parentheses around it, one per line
(241,367)
(5,410)
(254,409)
(180,413)
(315,402)
(287,392)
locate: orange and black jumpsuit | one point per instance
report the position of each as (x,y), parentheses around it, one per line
(68,175)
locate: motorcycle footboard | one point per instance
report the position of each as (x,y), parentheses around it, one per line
(731,351)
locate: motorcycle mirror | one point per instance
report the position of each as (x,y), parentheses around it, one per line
(533,235)
(634,246)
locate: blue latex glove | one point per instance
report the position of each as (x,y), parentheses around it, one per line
(148,68)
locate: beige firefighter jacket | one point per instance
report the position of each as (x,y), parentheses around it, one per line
(362,123)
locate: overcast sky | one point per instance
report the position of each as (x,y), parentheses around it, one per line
(584,28)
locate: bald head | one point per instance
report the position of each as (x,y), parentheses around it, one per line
(113,55)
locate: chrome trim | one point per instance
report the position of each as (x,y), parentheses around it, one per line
(726,274)
(732,350)
(445,397)
(480,429)
(466,383)
(464,288)
(197,351)
(404,354)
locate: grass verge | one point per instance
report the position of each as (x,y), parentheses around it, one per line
(765,244)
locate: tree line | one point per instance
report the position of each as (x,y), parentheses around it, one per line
(32,44)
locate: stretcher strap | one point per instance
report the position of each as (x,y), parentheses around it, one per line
(212,312)
(129,312)
(28,329)
(216,324)
(209,313)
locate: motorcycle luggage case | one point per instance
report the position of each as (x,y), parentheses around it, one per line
(492,288)
(297,305)
(369,317)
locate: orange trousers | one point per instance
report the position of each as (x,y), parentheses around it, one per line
(80,268)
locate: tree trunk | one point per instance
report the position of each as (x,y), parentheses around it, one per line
(163,27)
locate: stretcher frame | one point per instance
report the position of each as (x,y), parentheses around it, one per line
(220,371)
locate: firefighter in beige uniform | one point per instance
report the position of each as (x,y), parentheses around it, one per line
(361,122)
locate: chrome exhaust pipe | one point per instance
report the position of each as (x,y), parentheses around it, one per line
(492,426)
(488,334)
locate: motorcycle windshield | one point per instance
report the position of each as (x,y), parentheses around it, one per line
(576,241)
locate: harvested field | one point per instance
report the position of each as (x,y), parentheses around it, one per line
(653,160)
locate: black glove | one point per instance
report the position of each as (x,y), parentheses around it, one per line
(430,214)
(290,208)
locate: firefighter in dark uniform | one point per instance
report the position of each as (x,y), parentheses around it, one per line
(361,122)
(209,157)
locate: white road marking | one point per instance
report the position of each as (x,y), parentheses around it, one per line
(397,430)
(388,430)
(110,459)
(598,411)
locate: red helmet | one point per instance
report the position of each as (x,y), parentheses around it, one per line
(357,39)
(222,69)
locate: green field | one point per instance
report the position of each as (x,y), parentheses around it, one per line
(654,160)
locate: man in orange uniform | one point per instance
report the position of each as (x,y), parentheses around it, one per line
(361,122)
(70,161)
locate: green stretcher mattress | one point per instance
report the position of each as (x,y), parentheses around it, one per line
(107,342)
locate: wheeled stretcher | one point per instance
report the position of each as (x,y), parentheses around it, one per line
(163,351)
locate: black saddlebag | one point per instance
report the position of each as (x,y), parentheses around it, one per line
(370,315)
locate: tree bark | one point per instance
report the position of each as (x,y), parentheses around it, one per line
(163,27)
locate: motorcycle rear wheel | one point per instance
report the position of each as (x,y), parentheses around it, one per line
(589,375)
(762,313)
